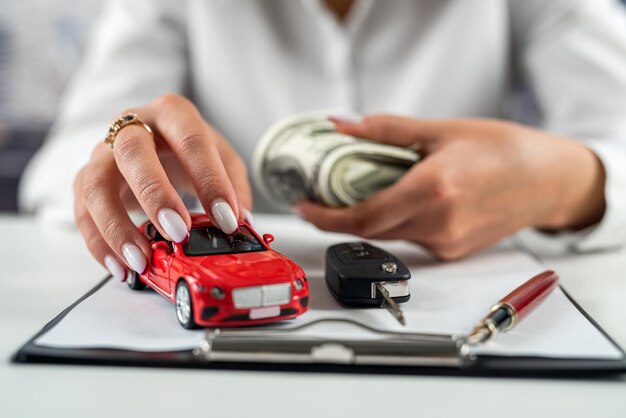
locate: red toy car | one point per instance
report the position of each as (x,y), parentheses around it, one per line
(216,279)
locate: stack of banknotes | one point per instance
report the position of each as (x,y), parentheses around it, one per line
(303,158)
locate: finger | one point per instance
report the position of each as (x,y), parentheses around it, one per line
(456,250)
(382,211)
(99,190)
(136,157)
(420,228)
(195,144)
(248,217)
(238,175)
(393,130)
(96,245)
(431,232)
(419,232)
(368,219)
(482,236)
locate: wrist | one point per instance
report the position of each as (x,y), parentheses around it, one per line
(579,200)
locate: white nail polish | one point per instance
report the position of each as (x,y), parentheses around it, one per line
(249,217)
(224,216)
(347,117)
(173,224)
(134,257)
(115,268)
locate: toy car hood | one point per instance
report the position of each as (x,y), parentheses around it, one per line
(245,268)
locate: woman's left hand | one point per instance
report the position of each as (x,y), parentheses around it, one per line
(480,181)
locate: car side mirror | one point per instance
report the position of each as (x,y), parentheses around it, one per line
(161,246)
(268,238)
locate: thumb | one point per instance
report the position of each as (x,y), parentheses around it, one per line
(390,129)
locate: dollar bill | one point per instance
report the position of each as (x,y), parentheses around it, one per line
(303,157)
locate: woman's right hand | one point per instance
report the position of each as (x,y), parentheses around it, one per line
(141,172)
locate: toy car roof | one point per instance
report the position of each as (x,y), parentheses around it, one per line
(201,219)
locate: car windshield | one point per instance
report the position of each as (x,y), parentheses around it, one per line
(211,240)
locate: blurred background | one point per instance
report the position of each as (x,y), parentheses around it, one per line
(41,43)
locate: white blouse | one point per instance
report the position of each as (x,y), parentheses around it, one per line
(248,63)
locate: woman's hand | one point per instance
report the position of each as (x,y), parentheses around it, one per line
(141,172)
(480,181)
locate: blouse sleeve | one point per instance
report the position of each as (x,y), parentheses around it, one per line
(573,54)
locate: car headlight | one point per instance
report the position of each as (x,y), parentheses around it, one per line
(299,284)
(218,293)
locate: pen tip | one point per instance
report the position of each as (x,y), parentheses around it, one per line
(478,335)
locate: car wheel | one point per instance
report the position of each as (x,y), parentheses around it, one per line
(184,306)
(134,282)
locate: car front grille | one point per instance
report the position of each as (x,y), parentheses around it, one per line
(257,296)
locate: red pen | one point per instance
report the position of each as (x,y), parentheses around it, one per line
(513,307)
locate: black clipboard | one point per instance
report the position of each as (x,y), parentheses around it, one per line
(476,365)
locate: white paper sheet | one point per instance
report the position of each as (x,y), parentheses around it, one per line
(446,298)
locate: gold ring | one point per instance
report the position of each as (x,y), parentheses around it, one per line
(122,122)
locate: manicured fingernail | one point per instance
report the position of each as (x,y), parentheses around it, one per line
(135,258)
(346,118)
(224,215)
(173,224)
(249,217)
(115,268)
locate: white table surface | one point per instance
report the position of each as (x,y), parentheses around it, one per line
(45,269)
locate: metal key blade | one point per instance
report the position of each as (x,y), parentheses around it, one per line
(390,304)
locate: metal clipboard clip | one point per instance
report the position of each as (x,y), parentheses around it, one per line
(284,345)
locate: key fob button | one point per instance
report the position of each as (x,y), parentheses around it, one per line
(389,267)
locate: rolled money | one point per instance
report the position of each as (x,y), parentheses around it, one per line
(303,157)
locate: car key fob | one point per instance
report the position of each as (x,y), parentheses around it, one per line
(358,274)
